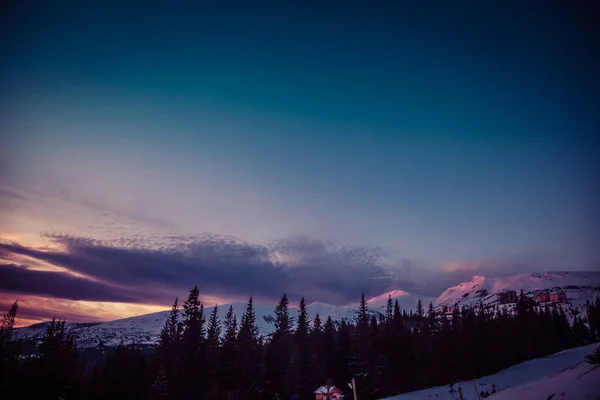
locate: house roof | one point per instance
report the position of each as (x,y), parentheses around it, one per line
(327,390)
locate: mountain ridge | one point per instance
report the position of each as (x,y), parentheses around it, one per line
(144,329)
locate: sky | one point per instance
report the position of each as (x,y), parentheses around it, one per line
(322,149)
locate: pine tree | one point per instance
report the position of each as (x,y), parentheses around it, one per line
(303,351)
(168,349)
(7,325)
(362,316)
(420,311)
(278,350)
(248,333)
(389,309)
(193,317)
(593,318)
(229,372)
(315,374)
(292,375)
(361,349)
(9,353)
(125,374)
(230,327)
(432,320)
(302,328)
(169,338)
(57,365)
(213,333)
(248,352)
(283,321)
(169,332)
(329,355)
(193,369)
(317,327)
(213,351)
(159,389)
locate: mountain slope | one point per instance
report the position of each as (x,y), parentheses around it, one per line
(144,329)
(578,286)
(578,382)
(507,381)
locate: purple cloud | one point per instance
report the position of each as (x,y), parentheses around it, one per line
(220,266)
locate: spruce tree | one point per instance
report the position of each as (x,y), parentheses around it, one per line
(193,318)
(7,325)
(302,328)
(193,369)
(169,338)
(362,315)
(159,389)
(317,327)
(248,352)
(278,350)
(9,353)
(303,351)
(248,333)
(213,350)
(292,376)
(230,327)
(57,364)
(283,321)
(213,333)
(125,374)
(361,349)
(389,309)
(229,372)
(420,311)
(432,320)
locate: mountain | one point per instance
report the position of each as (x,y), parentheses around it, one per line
(578,286)
(144,329)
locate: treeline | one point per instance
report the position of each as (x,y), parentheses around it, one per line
(201,357)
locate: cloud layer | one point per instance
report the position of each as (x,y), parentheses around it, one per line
(154,270)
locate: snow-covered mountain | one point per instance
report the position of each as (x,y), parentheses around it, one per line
(578,286)
(144,329)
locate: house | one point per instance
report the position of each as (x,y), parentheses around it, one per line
(547,297)
(328,393)
(448,309)
(558,297)
(542,297)
(507,297)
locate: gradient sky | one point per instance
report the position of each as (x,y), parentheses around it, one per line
(321,148)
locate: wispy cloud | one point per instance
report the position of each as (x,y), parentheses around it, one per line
(17,278)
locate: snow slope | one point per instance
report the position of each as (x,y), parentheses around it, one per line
(144,329)
(579,382)
(511,381)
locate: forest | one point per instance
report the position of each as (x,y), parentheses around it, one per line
(200,357)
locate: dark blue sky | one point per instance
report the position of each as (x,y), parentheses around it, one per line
(447,132)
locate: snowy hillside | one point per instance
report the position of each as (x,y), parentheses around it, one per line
(144,329)
(535,379)
(578,286)
(579,382)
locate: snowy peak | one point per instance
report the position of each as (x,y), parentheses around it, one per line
(577,285)
(384,297)
(456,293)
